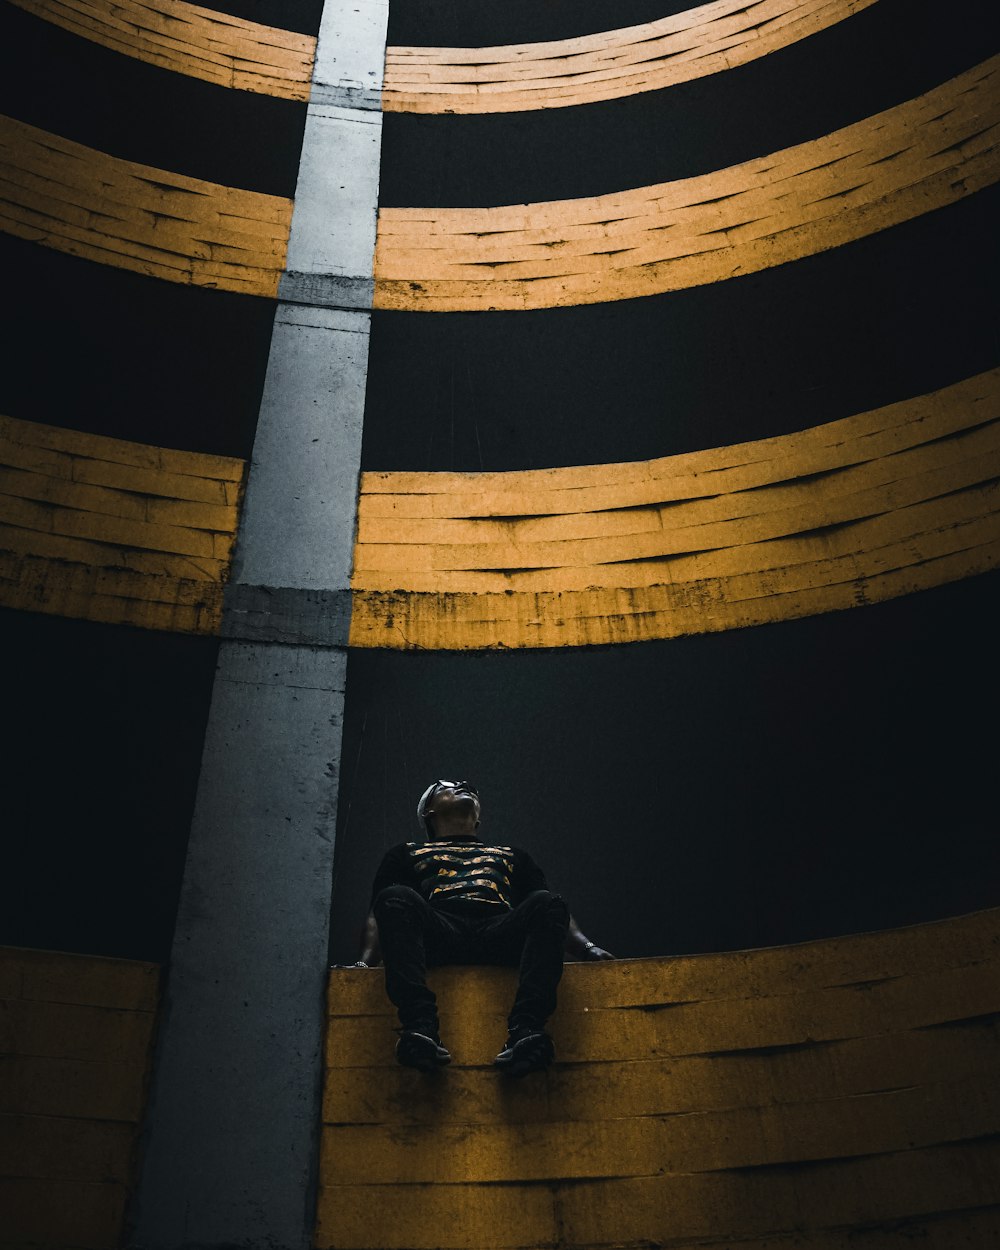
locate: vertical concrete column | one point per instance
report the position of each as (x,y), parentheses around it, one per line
(231,1134)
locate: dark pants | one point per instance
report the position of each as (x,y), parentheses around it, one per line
(414,936)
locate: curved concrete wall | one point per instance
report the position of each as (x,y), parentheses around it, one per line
(120,499)
(107,530)
(249,56)
(699,41)
(142,206)
(78,1037)
(154,222)
(834,1093)
(778,208)
(875,505)
(578,429)
(187,39)
(586,319)
(872,506)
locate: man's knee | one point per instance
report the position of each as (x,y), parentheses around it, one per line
(395,901)
(547,911)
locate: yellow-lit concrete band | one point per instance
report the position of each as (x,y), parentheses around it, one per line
(860,510)
(152,221)
(887,169)
(892,167)
(202,43)
(874,506)
(108,530)
(700,41)
(231,52)
(78,1032)
(689,1090)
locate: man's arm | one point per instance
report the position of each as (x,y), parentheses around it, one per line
(371,952)
(393,870)
(579,946)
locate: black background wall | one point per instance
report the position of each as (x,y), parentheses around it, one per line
(761,786)
(770,785)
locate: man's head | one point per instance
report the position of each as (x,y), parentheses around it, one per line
(447,808)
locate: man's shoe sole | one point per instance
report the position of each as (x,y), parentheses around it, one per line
(530,1054)
(417,1050)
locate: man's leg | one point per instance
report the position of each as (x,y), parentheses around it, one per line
(533,935)
(405,925)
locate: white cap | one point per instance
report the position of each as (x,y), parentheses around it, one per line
(425,798)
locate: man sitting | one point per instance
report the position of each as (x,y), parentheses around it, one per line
(453,899)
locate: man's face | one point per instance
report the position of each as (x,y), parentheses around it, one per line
(454,798)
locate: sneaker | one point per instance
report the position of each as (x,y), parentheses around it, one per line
(418,1050)
(525,1052)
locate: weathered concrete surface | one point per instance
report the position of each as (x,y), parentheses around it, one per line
(231,1138)
(336,200)
(231,1122)
(333,227)
(318,618)
(297,527)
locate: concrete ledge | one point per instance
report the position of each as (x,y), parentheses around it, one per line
(826,1095)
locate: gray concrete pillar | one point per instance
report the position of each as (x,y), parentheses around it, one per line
(232,1125)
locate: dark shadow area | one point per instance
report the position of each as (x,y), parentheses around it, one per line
(105,728)
(90,347)
(300,15)
(897,314)
(89,94)
(763,786)
(844,74)
(478,23)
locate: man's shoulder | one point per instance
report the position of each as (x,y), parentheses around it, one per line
(450,846)
(507,848)
(401,850)
(491,846)
(517,854)
(461,847)
(477,845)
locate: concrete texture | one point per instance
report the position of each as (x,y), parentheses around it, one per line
(336,200)
(231,1136)
(831,1094)
(326,290)
(231,1121)
(333,229)
(319,618)
(297,527)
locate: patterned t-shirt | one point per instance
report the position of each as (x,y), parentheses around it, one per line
(466,870)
